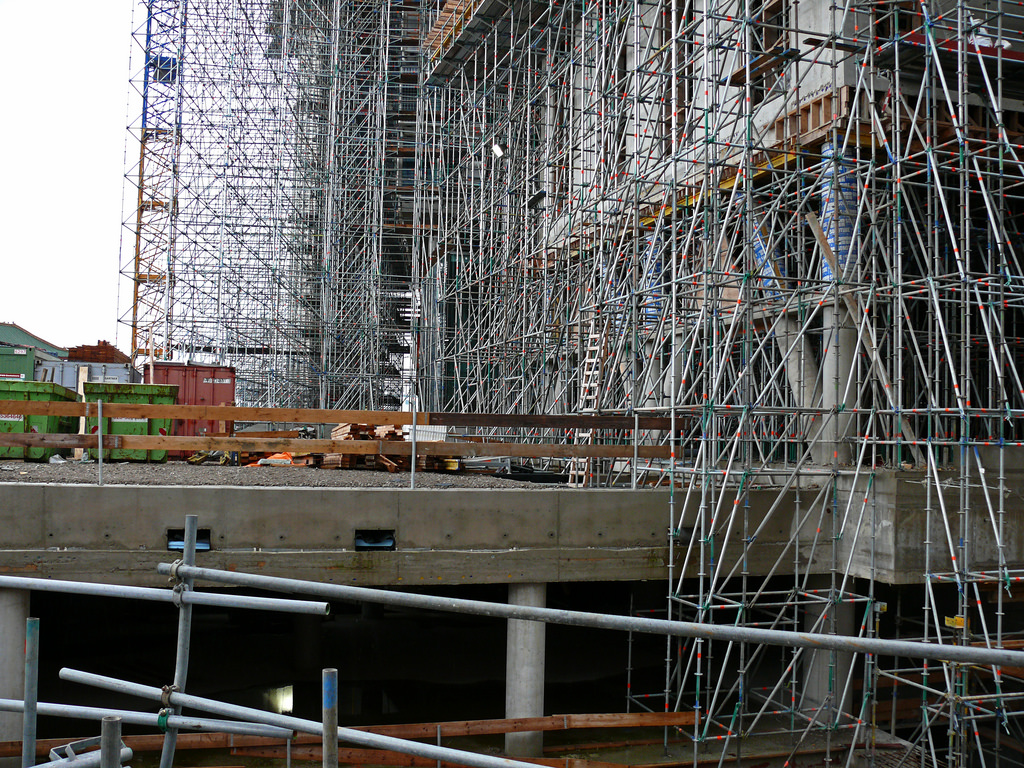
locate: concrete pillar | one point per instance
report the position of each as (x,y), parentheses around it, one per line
(675,373)
(524,670)
(820,677)
(650,382)
(13,615)
(839,381)
(802,375)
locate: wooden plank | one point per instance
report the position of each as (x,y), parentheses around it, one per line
(548,723)
(384,757)
(153,742)
(545,421)
(358,447)
(209,412)
(320,416)
(33,440)
(345,756)
(42,408)
(590,746)
(470,450)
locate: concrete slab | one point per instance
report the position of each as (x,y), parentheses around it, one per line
(887,517)
(119,533)
(458,536)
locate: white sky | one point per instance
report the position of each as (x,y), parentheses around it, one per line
(63,111)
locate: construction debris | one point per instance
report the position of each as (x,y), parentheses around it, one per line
(213,457)
(275,460)
(344,432)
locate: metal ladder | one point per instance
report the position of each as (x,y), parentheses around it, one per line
(590,396)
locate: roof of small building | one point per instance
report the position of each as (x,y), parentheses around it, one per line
(100,352)
(13,334)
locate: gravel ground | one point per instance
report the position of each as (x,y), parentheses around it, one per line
(181,473)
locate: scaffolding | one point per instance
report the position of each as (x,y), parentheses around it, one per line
(271,230)
(790,228)
(793,228)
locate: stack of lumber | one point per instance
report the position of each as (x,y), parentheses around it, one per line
(336,461)
(389,432)
(341,461)
(353,431)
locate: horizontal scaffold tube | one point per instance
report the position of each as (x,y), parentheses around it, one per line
(847,643)
(363,738)
(179,722)
(165,595)
(87,760)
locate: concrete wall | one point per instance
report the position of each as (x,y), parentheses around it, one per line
(894,514)
(119,533)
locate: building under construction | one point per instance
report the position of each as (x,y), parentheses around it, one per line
(791,229)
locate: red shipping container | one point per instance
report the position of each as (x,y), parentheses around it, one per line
(198,384)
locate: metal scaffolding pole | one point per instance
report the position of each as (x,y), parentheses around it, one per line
(272,219)
(792,228)
(364,738)
(603,621)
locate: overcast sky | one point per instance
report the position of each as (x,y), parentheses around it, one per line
(64,86)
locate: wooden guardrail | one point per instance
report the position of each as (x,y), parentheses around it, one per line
(147,742)
(328,416)
(359,447)
(320,416)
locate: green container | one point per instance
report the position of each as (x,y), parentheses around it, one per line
(17,364)
(139,394)
(46,425)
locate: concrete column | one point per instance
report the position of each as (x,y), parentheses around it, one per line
(802,375)
(524,670)
(13,615)
(839,381)
(675,374)
(650,382)
(820,677)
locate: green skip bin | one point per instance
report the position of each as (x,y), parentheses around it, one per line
(138,394)
(45,425)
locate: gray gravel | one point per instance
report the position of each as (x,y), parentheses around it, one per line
(182,473)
